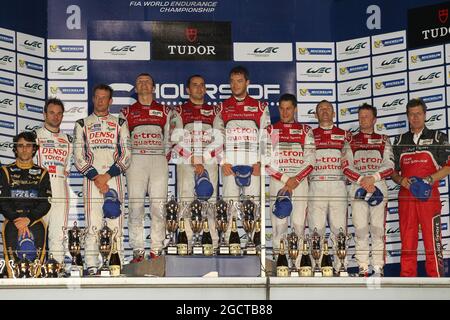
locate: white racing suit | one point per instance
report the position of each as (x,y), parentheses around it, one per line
(369,155)
(148,172)
(291,153)
(327,188)
(101,145)
(55,155)
(193,132)
(241,124)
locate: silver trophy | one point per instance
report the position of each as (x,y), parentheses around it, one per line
(171,210)
(197,209)
(223,212)
(248,213)
(293,252)
(75,238)
(341,250)
(105,238)
(2,268)
(316,252)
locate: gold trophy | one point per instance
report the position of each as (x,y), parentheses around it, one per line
(197,208)
(105,237)
(171,209)
(51,268)
(293,252)
(75,237)
(341,251)
(247,211)
(223,210)
(316,252)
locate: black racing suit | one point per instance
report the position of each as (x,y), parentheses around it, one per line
(24,192)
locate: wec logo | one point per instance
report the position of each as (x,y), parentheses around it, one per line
(6,58)
(319,70)
(123,49)
(436,117)
(266,50)
(359,87)
(72,68)
(34,86)
(35,44)
(431,76)
(392,61)
(396,102)
(7,102)
(358,46)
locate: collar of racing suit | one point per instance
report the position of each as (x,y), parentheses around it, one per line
(24,165)
(327,127)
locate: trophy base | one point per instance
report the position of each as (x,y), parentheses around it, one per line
(295,274)
(76,272)
(224,250)
(105,273)
(172,250)
(318,274)
(197,250)
(343,274)
(250,251)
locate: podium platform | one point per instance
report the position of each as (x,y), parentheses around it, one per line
(226,288)
(196,266)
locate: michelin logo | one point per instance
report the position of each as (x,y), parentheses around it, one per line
(66,48)
(391,125)
(67,90)
(433,98)
(30,107)
(7,124)
(315,51)
(426,57)
(31,65)
(6,38)
(316,92)
(353,69)
(7,82)
(389,84)
(388,42)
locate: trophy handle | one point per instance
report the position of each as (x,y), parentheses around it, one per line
(12,265)
(238,207)
(184,205)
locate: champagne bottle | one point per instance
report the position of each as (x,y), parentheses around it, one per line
(305,262)
(182,239)
(207,240)
(282,262)
(234,240)
(327,264)
(257,235)
(114,261)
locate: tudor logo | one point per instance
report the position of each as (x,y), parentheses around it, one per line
(191,34)
(443,15)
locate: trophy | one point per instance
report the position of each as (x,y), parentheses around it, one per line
(52,268)
(105,236)
(293,252)
(341,251)
(247,211)
(196,222)
(316,252)
(171,209)
(222,209)
(23,269)
(75,237)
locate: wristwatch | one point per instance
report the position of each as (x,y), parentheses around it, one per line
(429,179)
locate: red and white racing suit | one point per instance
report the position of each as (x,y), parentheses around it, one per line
(369,155)
(148,172)
(327,189)
(291,153)
(55,155)
(240,122)
(193,132)
(420,160)
(101,145)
